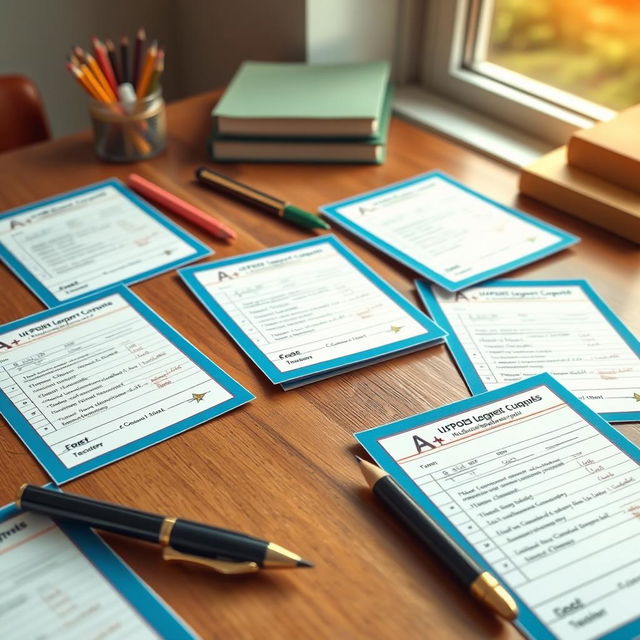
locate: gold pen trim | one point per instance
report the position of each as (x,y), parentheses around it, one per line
(226,567)
(166,528)
(19,496)
(491,593)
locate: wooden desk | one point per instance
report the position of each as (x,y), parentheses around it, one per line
(282,467)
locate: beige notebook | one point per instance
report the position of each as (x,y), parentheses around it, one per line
(610,150)
(551,180)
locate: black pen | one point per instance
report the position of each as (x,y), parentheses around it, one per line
(183,540)
(259,199)
(481,583)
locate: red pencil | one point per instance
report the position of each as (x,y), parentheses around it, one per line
(105,65)
(176,205)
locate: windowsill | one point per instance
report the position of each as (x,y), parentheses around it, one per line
(473,129)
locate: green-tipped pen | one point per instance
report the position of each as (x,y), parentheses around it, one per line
(303,218)
(259,199)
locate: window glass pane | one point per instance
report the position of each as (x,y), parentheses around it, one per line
(590,48)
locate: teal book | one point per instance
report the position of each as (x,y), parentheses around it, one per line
(282,99)
(370,150)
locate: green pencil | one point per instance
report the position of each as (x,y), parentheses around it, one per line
(259,199)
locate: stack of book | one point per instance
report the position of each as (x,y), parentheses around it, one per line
(291,112)
(595,177)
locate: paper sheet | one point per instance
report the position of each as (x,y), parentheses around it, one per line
(308,308)
(541,490)
(82,242)
(508,330)
(96,381)
(445,231)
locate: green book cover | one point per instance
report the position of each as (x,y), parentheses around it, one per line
(232,148)
(267,98)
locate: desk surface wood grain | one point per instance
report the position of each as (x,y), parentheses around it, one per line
(282,467)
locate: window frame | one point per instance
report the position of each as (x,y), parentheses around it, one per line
(446,67)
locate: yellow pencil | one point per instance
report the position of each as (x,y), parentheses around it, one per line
(158,69)
(82,80)
(99,76)
(98,90)
(147,70)
(79,57)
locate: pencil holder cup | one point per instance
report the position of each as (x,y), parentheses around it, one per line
(128,133)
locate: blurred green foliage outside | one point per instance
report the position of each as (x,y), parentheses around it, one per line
(590,48)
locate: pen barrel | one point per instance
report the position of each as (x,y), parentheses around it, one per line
(459,563)
(97,514)
(240,191)
(212,542)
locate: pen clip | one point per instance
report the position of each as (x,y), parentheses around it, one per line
(227,567)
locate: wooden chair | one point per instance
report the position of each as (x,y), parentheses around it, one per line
(22,116)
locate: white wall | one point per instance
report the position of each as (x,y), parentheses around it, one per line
(205,41)
(351,30)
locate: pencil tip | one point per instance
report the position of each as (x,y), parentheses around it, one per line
(359,459)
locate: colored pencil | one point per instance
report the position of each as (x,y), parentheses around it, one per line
(103,60)
(158,69)
(99,76)
(177,205)
(99,91)
(147,70)
(113,59)
(82,80)
(124,60)
(141,38)
(78,52)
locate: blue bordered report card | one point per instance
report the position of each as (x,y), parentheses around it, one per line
(62,581)
(87,240)
(309,310)
(507,330)
(445,231)
(539,490)
(90,382)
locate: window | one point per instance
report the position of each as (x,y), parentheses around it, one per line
(543,67)
(584,48)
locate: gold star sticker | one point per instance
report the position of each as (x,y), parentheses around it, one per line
(395,329)
(197,396)
(636,397)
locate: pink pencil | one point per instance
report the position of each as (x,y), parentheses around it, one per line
(178,206)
